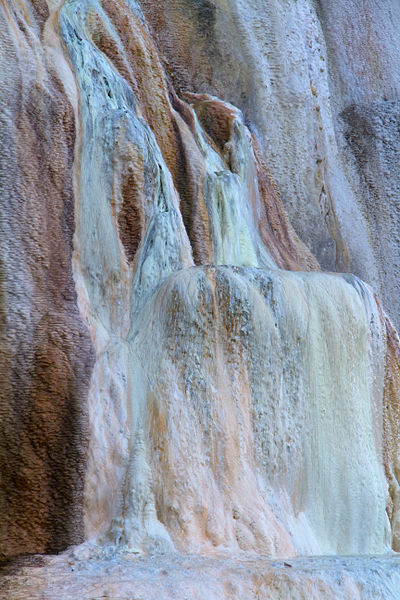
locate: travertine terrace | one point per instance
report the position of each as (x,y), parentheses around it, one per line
(199,277)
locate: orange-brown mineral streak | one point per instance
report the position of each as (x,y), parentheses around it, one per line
(215,116)
(47,348)
(391,428)
(193,207)
(129,195)
(277,233)
(186,65)
(184,46)
(134,56)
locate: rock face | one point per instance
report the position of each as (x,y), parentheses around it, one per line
(178,373)
(46,351)
(318,84)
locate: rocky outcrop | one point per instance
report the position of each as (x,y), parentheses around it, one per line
(317,83)
(46,352)
(179,373)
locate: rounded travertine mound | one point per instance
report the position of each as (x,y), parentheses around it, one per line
(260,413)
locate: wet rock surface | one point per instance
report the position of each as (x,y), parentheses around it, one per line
(184,390)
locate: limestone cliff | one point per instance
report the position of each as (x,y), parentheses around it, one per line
(179,374)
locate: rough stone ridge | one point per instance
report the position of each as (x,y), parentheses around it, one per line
(188,366)
(46,352)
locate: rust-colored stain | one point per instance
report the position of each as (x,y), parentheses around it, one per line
(278,235)
(391,411)
(47,350)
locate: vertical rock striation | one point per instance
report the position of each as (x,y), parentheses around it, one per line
(46,352)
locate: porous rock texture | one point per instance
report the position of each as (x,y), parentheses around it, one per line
(179,375)
(46,351)
(318,83)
